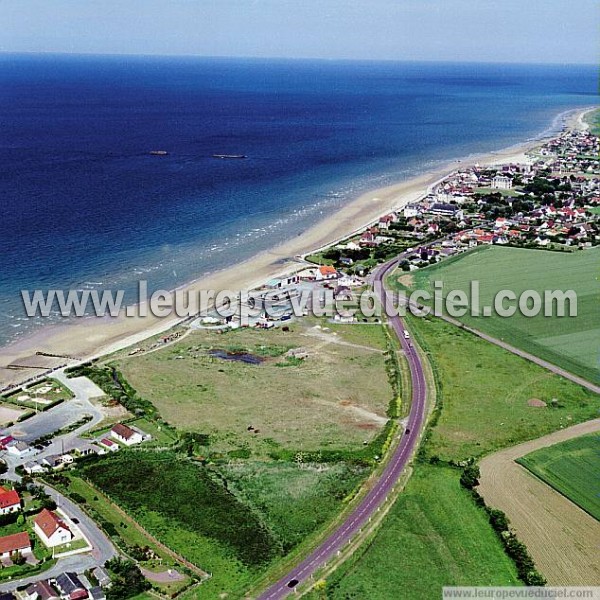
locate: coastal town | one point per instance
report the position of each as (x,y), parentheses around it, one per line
(550,200)
(54,547)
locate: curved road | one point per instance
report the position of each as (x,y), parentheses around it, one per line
(396,464)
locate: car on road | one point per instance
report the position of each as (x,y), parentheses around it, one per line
(406,334)
(292,583)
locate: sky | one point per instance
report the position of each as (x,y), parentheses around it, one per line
(527,31)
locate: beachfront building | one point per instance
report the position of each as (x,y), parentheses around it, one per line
(326,272)
(51,529)
(501,182)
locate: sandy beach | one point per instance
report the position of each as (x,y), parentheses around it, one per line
(92,337)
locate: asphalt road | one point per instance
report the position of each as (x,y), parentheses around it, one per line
(383,486)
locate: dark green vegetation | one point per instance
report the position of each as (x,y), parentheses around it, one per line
(485,393)
(127,579)
(572,469)
(568,342)
(159,487)
(434,535)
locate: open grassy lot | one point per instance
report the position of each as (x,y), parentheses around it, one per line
(293,500)
(433,536)
(487,392)
(336,397)
(572,469)
(569,342)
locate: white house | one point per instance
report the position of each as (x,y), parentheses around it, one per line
(51,529)
(10,501)
(325,272)
(17,542)
(501,182)
(128,435)
(20,449)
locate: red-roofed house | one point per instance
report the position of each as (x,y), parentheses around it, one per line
(326,272)
(10,501)
(51,529)
(126,435)
(17,542)
(109,444)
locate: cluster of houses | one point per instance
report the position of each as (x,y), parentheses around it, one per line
(552,199)
(66,586)
(120,434)
(51,529)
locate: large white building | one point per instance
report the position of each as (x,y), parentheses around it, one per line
(501,182)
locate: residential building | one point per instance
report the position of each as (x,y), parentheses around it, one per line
(10,501)
(326,272)
(102,576)
(17,542)
(51,529)
(127,435)
(501,182)
(70,586)
(41,590)
(20,449)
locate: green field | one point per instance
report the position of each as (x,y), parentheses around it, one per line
(572,469)
(486,390)
(433,536)
(593,118)
(569,342)
(233,521)
(336,398)
(293,501)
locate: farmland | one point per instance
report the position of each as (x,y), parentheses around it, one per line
(484,398)
(569,342)
(433,536)
(487,394)
(336,397)
(572,469)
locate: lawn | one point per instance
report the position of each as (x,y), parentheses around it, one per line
(433,536)
(336,398)
(569,342)
(486,393)
(572,469)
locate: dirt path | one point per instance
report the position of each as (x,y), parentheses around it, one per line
(563,540)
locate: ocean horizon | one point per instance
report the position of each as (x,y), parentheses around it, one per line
(86,205)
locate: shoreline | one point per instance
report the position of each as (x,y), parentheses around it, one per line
(93,337)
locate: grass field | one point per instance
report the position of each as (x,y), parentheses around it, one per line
(572,469)
(569,342)
(433,536)
(593,118)
(293,501)
(233,529)
(486,391)
(335,398)
(178,503)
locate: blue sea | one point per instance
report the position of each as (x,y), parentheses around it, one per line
(85,205)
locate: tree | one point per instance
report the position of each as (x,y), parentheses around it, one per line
(470,477)
(21,520)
